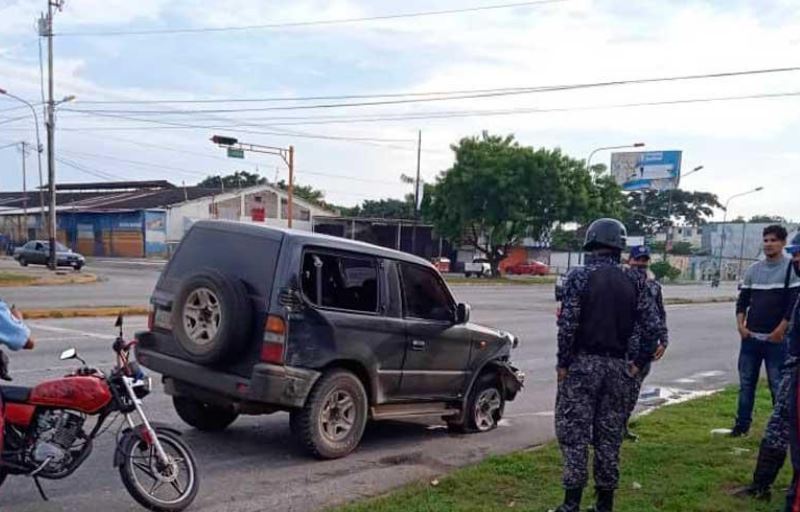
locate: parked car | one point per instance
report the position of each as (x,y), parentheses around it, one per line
(479,268)
(442,264)
(248,319)
(530,268)
(37,252)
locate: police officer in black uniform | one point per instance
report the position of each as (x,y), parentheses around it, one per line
(604,317)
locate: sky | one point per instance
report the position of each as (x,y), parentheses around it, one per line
(355,153)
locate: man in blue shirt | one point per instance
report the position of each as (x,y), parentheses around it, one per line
(14,334)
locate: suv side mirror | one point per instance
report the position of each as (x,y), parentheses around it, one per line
(462,313)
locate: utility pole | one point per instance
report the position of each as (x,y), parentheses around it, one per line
(47,28)
(416,196)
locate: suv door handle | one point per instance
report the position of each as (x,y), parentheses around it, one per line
(418,345)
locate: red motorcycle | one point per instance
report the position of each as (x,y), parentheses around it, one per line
(42,432)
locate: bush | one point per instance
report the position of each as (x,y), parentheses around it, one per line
(663,269)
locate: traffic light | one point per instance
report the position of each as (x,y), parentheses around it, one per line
(224,141)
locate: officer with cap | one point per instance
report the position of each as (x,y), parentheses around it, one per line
(603,316)
(655,343)
(791,407)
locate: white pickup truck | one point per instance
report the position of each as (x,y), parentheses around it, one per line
(479,268)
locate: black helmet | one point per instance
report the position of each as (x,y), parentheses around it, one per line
(605,233)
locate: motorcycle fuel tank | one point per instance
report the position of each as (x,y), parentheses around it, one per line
(80,393)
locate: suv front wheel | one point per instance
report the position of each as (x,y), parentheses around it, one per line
(331,423)
(484,408)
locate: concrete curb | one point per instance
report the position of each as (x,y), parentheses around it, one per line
(675,301)
(88,312)
(52,280)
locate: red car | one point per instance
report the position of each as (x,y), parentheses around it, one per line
(531,268)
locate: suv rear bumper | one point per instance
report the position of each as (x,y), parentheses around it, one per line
(275,385)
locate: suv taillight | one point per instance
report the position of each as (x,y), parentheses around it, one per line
(274,338)
(151,318)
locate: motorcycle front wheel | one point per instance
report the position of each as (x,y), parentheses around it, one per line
(162,488)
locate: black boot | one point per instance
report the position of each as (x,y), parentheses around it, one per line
(605,501)
(770,462)
(572,501)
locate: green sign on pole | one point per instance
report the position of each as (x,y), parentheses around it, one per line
(235,153)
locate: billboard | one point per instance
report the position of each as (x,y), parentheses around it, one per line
(646,170)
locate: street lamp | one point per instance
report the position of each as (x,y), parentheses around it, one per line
(39,148)
(724,220)
(606,148)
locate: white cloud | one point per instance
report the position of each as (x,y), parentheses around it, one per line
(571,42)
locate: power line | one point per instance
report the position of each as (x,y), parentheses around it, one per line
(168,148)
(135,162)
(78,167)
(362,140)
(14,119)
(456,92)
(443,96)
(312,23)
(184,125)
(476,113)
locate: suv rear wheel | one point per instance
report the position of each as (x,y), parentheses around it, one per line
(485,406)
(332,422)
(203,416)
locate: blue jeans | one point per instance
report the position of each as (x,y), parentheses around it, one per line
(751,355)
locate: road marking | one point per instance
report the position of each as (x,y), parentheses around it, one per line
(73,331)
(685,381)
(706,375)
(524,414)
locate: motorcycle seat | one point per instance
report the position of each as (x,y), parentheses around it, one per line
(19,394)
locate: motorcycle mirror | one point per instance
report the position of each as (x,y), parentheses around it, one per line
(70,353)
(119,323)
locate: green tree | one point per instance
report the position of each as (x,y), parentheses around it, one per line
(383,209)
(307,193)
(239,179)
(566,241)
(662,269)
(649,212)
(498,192)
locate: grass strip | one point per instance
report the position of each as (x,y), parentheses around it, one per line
(677,466)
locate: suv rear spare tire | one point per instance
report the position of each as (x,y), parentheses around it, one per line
(212,317)
(203,416)
(332,422)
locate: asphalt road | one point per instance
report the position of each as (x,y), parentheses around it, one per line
(119,284)
(255,466)
(130,282)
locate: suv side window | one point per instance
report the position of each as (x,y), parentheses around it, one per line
(341,282)
(424,295)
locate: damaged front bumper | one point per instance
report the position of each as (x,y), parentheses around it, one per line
(512,378)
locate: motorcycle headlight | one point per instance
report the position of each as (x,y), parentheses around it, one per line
(141,388)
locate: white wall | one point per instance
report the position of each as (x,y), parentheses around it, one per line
(180,217)
(561,261)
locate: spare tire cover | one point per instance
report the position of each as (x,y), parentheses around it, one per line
(212,316)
